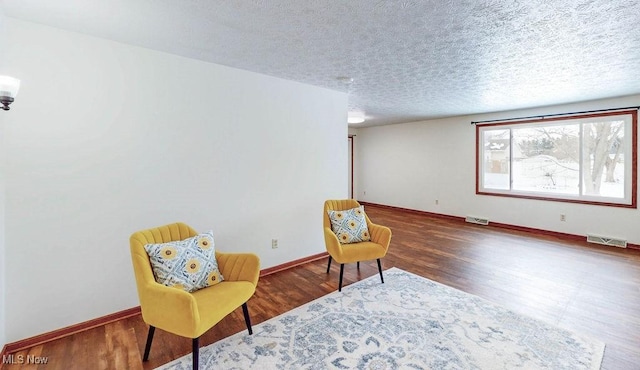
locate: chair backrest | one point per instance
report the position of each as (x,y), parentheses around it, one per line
(338,205)
(167,233)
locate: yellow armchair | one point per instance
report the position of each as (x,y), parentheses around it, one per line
(354,252)
(190,314)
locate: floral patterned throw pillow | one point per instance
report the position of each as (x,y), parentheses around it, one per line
(350,225)
(188,264)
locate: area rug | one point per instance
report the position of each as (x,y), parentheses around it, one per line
(408,322)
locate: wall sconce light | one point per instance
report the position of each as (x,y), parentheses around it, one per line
(8,90)
(355,117)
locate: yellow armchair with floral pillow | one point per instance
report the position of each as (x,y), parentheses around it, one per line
(350,236)
(189,296)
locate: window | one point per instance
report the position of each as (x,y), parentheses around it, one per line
(583,159)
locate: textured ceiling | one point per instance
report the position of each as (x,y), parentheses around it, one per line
(410,60)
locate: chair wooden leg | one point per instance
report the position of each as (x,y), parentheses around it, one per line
(329,265)
(358,265)
(195,353)
(147,347)
(247,319)
(380,269)
(341,272)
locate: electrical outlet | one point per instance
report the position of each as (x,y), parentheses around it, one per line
(563,218)
(274,243)
(437,202)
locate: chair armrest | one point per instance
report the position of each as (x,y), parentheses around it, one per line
(170,309)
(333,244)
(239,266)
(380,234)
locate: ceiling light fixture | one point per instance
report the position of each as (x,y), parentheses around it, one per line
(345,79)
(355,117)
(8,90)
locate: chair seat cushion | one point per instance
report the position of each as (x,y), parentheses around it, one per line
(350,226)
(363,251)
(188,264)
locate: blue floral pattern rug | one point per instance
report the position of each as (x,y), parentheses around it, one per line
(408,322)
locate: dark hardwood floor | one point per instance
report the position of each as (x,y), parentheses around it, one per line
(583,287)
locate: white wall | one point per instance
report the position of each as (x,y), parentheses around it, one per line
(3,269)
(411,165)
(354,131)
(106,139)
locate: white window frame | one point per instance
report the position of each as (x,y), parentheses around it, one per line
(630,174)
